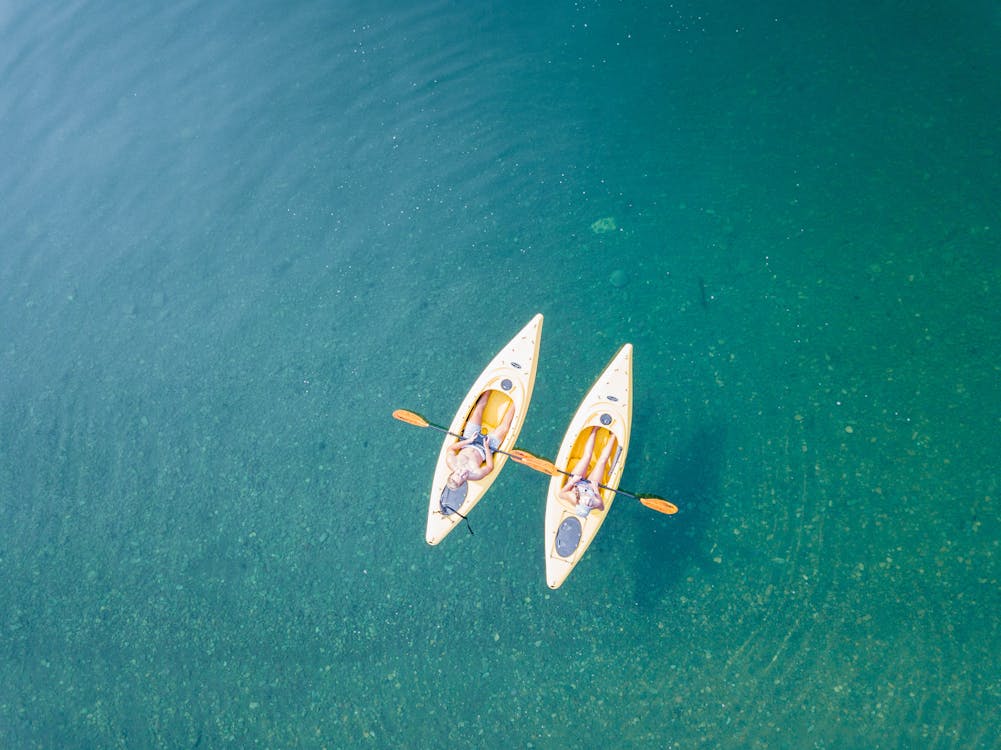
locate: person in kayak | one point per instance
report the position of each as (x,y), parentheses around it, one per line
(472,457)
(582,491)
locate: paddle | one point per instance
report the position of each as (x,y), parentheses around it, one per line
(411,417)
(653,502)
(417,420)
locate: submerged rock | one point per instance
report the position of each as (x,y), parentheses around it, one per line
(604,224)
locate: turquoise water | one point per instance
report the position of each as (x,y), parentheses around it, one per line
(236,236)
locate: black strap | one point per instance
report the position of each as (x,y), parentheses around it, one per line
(464,518)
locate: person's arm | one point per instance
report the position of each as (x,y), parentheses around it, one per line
(459,445)
(565,493)
(488,464)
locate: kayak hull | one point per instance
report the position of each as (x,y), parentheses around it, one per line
(608,405)
(510,378)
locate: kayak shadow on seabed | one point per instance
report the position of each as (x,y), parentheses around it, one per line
(664,552)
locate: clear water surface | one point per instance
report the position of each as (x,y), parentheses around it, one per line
(236,236)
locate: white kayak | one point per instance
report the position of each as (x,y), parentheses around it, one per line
(607,406)
(509,379)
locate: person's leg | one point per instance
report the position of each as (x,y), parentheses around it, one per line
(580,469)
(498,435)
(598,472)
(481,404)
(475,421)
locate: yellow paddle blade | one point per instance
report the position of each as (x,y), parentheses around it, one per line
(660,505)
(410,418)
(534,462)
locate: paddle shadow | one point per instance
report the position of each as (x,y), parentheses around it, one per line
(667,550)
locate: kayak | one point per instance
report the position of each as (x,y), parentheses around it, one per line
(509,379)
(607,406)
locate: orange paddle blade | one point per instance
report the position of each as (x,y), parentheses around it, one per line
(410,418)
(534,462)
(660,505)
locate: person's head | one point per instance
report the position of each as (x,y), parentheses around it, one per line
(457,478)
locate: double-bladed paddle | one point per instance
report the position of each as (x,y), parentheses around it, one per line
(653,502)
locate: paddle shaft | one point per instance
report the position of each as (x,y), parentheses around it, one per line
(603,486)
(449,432)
